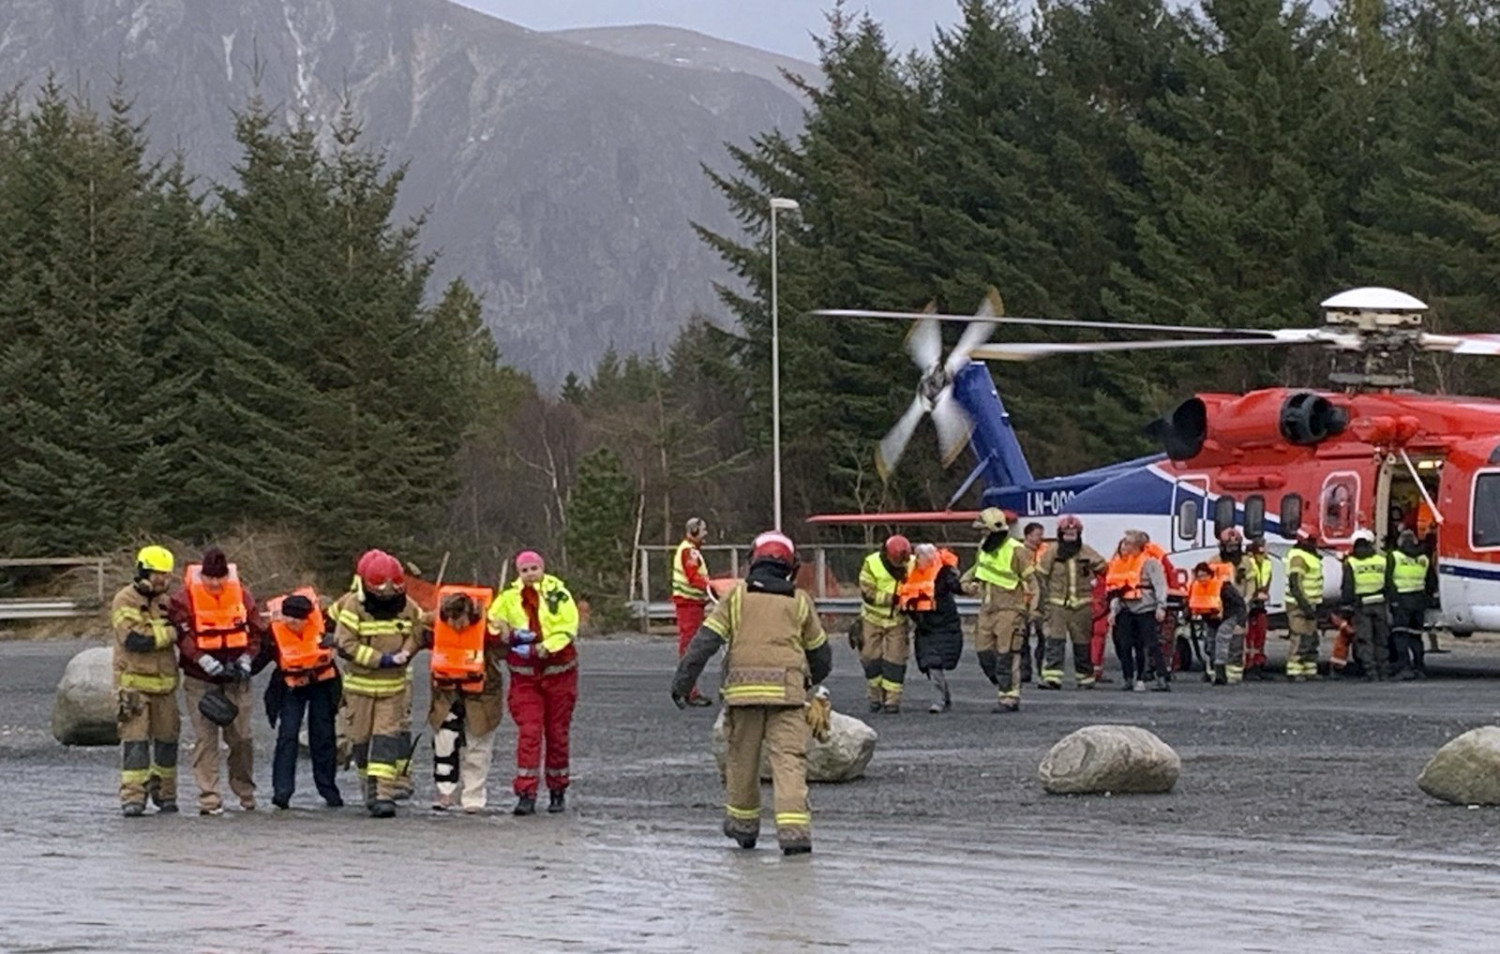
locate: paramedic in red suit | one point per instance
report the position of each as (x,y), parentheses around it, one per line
(690,592)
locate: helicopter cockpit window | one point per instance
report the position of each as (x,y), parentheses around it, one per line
(1255,516)
(1339,509)
(1291,515)
(1187,519)
(1223,514)
(1485,525)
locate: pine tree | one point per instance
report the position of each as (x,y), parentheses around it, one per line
(600,529)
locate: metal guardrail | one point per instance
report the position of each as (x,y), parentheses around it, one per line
(29,608)
(660,611)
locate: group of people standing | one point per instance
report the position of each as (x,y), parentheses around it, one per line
(345,670)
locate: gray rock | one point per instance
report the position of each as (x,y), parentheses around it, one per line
(843,758)
(1100,759)
(1466,771)
(83,711)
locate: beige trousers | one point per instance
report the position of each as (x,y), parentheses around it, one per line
(237,736)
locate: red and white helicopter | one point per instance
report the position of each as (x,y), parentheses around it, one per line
(1371,455)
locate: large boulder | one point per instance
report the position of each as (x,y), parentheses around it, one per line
(83,711)
(843,758)
(1466,771)
(1101,759)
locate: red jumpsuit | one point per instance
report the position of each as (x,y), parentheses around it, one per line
(1101,626)
(543,693)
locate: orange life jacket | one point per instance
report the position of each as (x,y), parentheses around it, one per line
(219,622)
(458,654)
(1124,575)
(1204,599)
(301,656)
(917,593)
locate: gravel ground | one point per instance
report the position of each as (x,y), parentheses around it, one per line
(1296,825)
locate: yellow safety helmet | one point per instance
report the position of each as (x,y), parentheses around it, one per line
(991,519)
(154,559)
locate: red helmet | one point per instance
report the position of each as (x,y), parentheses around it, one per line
(381,573)
(897,548)
(1231,535)
(1068,522)
(773,545)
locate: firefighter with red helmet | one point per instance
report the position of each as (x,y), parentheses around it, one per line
(1065,577)
(378,630)
(777,651)
(884,642)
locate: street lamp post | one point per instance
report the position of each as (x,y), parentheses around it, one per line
(790,205)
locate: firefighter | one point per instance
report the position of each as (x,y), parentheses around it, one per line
(1137,587)
(1261,569)
(1065,584)
(468,697)
(1033,639)
(690,592)
(1304,587)
(928,597)
(1232,565)
(538,619)
(1002,577)
(220,635)
(145,678)
(378,630)
(1215,603)
(1366,584)
(304,685)
(884,643)
(1409,599)
(777,652)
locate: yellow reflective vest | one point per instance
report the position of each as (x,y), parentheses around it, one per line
(682,587)
(556,610)
(1308,568)
(1408,573)
(1369,577)
(877,591)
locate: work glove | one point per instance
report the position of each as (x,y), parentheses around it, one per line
(819,714)
(243,663)
(210,665)
(524,650)
(138,643)
(394,660)
(521,637)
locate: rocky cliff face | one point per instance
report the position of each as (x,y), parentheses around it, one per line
(558,178)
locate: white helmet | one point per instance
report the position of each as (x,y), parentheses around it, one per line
(1364,536)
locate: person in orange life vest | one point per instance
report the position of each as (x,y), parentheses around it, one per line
(538,618)
(305,684)
(928,596)
(1175,603)
(1137,588)
(690,592)
(468,702)
(220,634)
(1216,602)
(1033,641)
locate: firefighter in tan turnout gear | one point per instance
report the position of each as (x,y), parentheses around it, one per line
(776,652)
(1065,581)
(1002,577)
(145,676)
(377,631)
(884,642)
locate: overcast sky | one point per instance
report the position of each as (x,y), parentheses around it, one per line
(782,26)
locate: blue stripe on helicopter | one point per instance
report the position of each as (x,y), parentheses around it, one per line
(1468,572)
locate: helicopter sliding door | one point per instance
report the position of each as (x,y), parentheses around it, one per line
(1190,513)
(1403,494)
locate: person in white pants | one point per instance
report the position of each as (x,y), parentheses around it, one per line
(464,724)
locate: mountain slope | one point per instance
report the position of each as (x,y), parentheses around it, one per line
(558,179)
(675,46)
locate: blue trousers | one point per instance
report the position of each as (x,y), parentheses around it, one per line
(318,702)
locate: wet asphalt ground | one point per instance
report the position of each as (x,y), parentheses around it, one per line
(1296,826)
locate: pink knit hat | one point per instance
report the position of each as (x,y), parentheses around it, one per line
(529,558)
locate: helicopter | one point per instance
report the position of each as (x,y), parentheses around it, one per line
(1372,454)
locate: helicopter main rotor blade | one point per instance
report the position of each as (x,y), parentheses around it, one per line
(1462,344)
(1022,351)
(952,424)
(1045,322)
(895,440)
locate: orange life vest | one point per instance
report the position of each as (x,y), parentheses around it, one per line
(458,654)
(301,656)
(219,622)
(918,592)
(1124,575)
(1204,599)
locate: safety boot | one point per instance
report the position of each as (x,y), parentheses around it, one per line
(1049,684)
(744,837)
(382,808)
(1221,678)
(525,805)
(797,848)
(556,801)
(892,708)
(876,706)
(167,806)
(133,809)
(1163,684)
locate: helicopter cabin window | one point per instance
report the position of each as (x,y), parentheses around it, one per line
(1485,524)
(1187,519)
(1255,516)
(1291,515)
(1340,507)
(1223,514)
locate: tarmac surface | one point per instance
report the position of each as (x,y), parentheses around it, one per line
(1296,826)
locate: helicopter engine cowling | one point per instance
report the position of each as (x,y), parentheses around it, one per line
(1228,423)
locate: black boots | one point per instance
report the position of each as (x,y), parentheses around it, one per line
(556,802)
(744,837)
(382,808)
(525,805)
